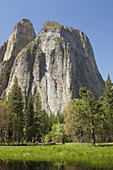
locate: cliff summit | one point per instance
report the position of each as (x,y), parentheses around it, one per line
(56,63)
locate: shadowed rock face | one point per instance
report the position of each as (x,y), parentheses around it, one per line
(3,49)
(56,63)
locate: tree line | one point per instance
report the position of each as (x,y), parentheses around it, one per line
(24,125)
(84,120)
(90,120)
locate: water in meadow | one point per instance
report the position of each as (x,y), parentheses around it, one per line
(33,165)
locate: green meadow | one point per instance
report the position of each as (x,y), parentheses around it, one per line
(100,156)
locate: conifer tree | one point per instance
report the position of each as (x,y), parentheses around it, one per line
(44,123)
(59,118)
(52,120)
(108,108)
(41,118)
(37,103)
(15,105)
(30,120)
(37,110)
(88,110)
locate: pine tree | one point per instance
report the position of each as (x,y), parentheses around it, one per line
(37,103)
(59,118)
(108,108)
(88,112)
(101,136)
(52,120)
(41,118)
(15,105)
(44,123)
(30,120)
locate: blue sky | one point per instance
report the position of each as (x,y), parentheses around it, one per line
(93,17)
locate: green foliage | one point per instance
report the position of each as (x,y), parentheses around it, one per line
(44,123)
(30,119)
(108,109)
(59,118)
(82,117)
(15,106)
(47,138)
(89,119)
(52,120)
(30,111)
(108,92)
(41,119)
(4,116)
(58,133)
(50,24)
(69,122)
(89,112)
(15,99)
(30,45)
(83,120)
(37,103)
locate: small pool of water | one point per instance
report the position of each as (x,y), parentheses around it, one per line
(31,165)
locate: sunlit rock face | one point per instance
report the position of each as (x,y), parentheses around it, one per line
(22,34)
(56,63)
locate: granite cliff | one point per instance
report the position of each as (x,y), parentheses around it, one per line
(22,34)
(56,63)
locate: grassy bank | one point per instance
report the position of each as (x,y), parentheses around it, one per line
(100,156)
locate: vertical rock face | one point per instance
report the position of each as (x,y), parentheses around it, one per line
(22,34)
(2,51)
(57,63)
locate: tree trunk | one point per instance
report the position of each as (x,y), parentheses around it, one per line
(93,136)
(63,141)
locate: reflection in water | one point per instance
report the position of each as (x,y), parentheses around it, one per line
(31,165)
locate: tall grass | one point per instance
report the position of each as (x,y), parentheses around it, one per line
(77,153)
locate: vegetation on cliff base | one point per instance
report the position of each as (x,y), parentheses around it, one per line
(84,119)
(29,125)
(87,119)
